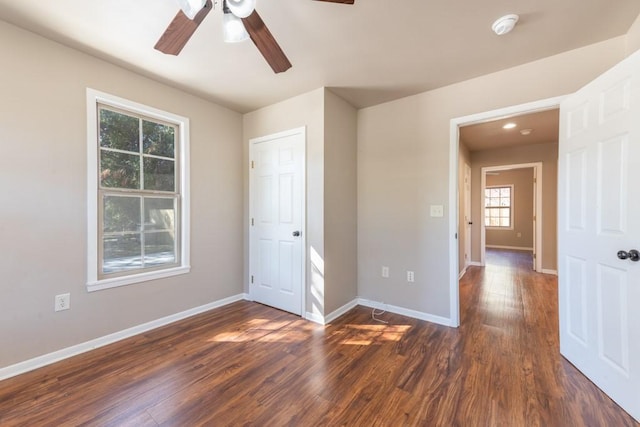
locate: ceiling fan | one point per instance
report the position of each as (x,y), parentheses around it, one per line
(240,22)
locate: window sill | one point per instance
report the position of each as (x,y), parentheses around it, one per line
(98,285)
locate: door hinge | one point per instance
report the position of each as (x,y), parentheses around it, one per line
(252,279)
(534,256)
(252,222)
(253,165)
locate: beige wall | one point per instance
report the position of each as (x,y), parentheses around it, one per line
(403,168)
(331,187)
(633,37)
(521,236)
(304,110)
(340,209)
(548,155)
(43,187)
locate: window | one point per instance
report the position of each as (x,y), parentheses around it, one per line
(137,192)
(498,207)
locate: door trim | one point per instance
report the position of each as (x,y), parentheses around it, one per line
(454,141)
(252,142)
(537,171)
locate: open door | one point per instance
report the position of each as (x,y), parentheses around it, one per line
(599,207)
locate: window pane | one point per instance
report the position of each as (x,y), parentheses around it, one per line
(159,214)
(119,170)
(119,131)
(121,214)
(494,202)
(121,253)
(158,139)
(159,248)
(494,222)
(495,192)
(504,202)
(505,192)
(159,174)
(504,222)
(504,213)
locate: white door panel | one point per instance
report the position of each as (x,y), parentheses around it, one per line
(599,294)
(277,218)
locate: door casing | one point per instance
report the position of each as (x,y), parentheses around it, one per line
(301,131)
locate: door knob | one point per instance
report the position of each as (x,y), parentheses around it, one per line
(470,223)
(296,233)
(633,255)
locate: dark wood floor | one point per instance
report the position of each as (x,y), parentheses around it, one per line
(246,364)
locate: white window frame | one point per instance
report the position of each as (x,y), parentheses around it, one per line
(511,207)
(94,282)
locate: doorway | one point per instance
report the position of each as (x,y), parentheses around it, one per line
(455,125)
(523,221)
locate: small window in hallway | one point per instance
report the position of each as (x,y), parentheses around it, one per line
(498,206)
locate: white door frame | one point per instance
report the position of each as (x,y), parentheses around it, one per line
(303,227)
(537,171)
(454,141)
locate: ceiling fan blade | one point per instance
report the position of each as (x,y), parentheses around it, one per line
(339,1)
(266,43)
(180,30)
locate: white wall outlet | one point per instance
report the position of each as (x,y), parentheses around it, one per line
(437,210)
(411,277)
(63,302)
(385,271)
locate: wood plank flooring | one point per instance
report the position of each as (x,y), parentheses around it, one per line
(249,365)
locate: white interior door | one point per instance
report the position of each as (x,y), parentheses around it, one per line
(277,219)
(599,294)
(467,215)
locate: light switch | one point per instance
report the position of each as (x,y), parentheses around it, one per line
(437,210)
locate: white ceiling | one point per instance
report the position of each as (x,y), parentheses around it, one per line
(544,126)
(368,53)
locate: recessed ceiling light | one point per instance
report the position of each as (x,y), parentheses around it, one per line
(526,132)
(505,24)
(509,126)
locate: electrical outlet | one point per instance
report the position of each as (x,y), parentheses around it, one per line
(411,277)
(63,302)
(385,271)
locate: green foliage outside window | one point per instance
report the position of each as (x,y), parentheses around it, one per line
(138,190)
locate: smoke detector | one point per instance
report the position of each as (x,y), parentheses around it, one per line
(505,24)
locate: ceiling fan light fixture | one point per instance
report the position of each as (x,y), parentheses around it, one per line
(505,24)
(191,7)
(241,8)
(233,28)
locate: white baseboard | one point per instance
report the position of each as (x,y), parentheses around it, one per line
(324,320)
(476,263)
(547,271)
(315,318)
(513,248)
(65,353)
(462,273)
(339,312)
(405,312)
